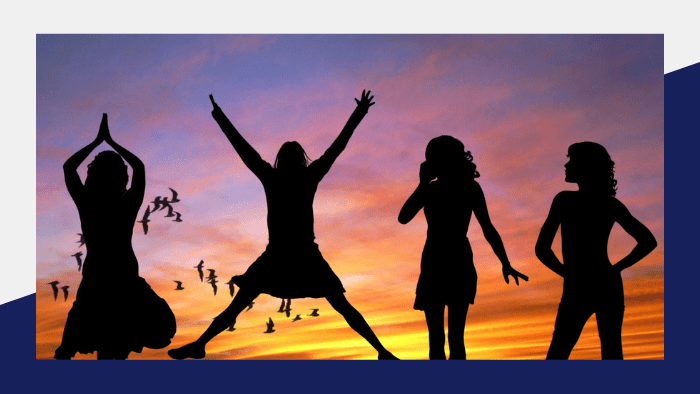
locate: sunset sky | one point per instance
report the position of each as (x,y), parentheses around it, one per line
(516,102)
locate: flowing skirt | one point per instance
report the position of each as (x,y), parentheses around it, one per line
(291,271)
(116,317)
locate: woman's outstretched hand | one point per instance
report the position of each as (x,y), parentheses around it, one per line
(510,271)
(365,101)
(103,134)
(216,106)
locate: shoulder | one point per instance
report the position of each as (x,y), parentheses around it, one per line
(563,199)
(618,208)
(564,196)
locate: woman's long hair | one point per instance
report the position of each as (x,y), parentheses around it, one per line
(107,173)
(291,155)
(446,148)
(598,165)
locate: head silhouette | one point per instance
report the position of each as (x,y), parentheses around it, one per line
(291,156)
(590,164)
(448,158)
(107,175)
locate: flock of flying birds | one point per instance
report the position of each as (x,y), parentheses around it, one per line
(285,307)
(158,205)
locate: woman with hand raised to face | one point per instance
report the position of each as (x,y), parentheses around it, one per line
(292,265)
(448,275)
(115,311)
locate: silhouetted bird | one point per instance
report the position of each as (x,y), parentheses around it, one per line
(199,269)
(81,241)
(213,282)
(230,286)
(231,327)
(80,261)
(250,306)
(281,310)
(164,204)
(170,212)
(211,274)
(270,326)
(179,285)
(144,221)
(296,318)
(156,203)
(174,199)
(288,309)
(65,292)
(177,219)
(55,289)
(314,313)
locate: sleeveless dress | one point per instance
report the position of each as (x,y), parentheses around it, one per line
(448,276)
(292,265)
(115,310)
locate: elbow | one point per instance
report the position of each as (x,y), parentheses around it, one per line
(403,219)
(541,251)
(651,243)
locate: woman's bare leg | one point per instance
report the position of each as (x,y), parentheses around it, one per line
(456,319)
(435,317)
(220,323)
(358,323)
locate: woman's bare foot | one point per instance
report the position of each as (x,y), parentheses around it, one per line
(191,350)
(386,355)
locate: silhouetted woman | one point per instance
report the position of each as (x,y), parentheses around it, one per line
(292,265)
(115,312)
(592,284)
(448,275)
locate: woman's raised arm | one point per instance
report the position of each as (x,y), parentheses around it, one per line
(251,158)
(70,167)
(324,163)
(138,178)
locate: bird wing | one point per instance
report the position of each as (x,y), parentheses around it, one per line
(174,199)
(145,228)
(147,212)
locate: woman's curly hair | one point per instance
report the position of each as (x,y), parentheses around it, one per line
(599,165)
(446,146)
(107,171)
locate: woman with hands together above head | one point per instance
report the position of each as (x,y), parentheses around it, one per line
(115,311)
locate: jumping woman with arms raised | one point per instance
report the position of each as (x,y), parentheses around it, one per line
(292,265)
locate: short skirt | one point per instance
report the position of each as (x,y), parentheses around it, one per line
(291,271)
(448,276)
